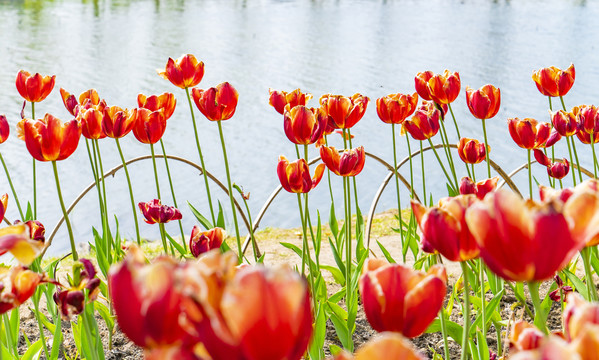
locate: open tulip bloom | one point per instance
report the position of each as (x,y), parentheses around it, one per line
(280,99)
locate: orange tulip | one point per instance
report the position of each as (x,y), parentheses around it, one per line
(524,336)
(17,284)
(295,176)
(424,123)
(21,242)
(578,315)
(512,235)
(154,212)
(34,88)
(349,163)
(3,206)
(586,345)
(343,111)
(185,72)
(444,228)
(201,242)
(387,345)
(444,88)
(279,99)
(421,84)
(581,207)
(565,123)
(480,189)
(166,102)
(528,133)
(149,125)
(217,103)
(395,108)
(587,117)
(4,129)
(304,125)
(91,118)
(484,102)
(71,103)
(471,151)
(397,298)
(552,81)
(49,139)
(117,122)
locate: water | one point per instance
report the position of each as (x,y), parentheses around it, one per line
(340,47)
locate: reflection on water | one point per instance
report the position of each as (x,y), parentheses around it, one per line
(371,47)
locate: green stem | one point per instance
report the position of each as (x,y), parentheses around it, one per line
(355,191)
(195,132)
(12,188)
(594,155)
(309,221)
(89,336)
(473,173)
(441,164)
(96,180)
(445,141)
(454,121)
(483,300)
(540,317)
(222,141)
(297,152)
(444,333)
(155,171)
(329,177)
(163,238)
(170,182)
(34,175)
(423,177)
(561,98)
(36,300)
(397,191)
(64,212)
(348,254)
(251,229)
(586,258)
(529,174)
(577,161)
(306,251)
(571,160)
(466,311)
(118,145)
(96,144)
(9,339)
(411,168)
(487,149)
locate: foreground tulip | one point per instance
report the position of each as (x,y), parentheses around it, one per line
(303,125)
(166,102)
(17,284)
(444,228)
(21,241)
(349,163)
(343,111)
(471,151)
(154,212)
(525,336)
(480,189)
(484,102)
(149,126)
(4,129)
(217,103)
(50,139)
(552,81)
(425,122)
(34,88)
(117,122)
(528,133)
(185,72)
(295,176)
(387,345)
(201,242)
(71,103)
(280,99)
(554,348)
(395,108)
(579,314)
(397,298)
(83,285)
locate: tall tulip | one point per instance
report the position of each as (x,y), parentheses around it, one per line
(303,125)
(344,111)
(149,125)
(444,88)
(34,88)
(185,72)
(484,104)
(280,99)
(552,81)
(118,122)
(471,151)
(480,189)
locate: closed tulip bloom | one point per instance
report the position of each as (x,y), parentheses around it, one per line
(512,235)
(444,88)
(280,99)
(166,102)
(4,129)
(587,117)
(154,212)
(201,242)
(3,206)
(185,72)
(528,133)
(565,123)
(17,285)
(471,151)
(50,139)
(295,176)
(395,108)
(397,298)
(304,125)
(70,102)
(552,81)
(19,240)
(484,102)
(444,228)
(480,189)
(421,84)
(149,125)
(117,122)
(217,103)
(581,207)
(425,122)
(349,163)
(91,122)
(34,88)
(345,112)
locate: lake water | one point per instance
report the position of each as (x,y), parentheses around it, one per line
(341,47)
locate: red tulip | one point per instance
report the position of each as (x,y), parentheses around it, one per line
(444,88)
(71,103)
(217,103)
(512,235)
(202,242)
(279,99)
(154,212)
(484,102)
(17,284)
(552,81)
(557,169)
(303,125)
(444,228)
(395,108)
(581,208)
(34,88)
(579,314)
(82,285)
(185,72)
(587,117)
(480,189)
(397,298)
(528,133)
(19,240)
(117,122)
(91,118)
(349,163)
(149,126)
(4,129)
(424,123)
(295,176)
(343,111)
(49,139)
(553,348)
(421,84)
(553,138)
(471,151)
(166,102)
(565,123)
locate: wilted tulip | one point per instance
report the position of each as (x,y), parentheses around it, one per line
(217,103)
(552,81)
(117,122)
(444,228)
(343,111)
(471,151)
(50,139)
(395,108)
(3,206)
(149,125)
(397,298)
(201,242)
(349,163)
(480,189)
(484,102)
(556,295)
(279,99)
(82,285)
(17,284)
(304,125)
(154,212)
(166,102)
(443,88)
(4,129)
(528,133)
(557,169)
(34,88)
(565,123)
(295,176)
(185,72)
(71,103)
(17,239)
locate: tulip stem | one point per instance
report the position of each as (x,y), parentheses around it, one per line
(12,188)
(577,162)
(444,333)
(170,182)
(36,300)
(423,177)
(440,163)
(561,98)
(348,265)
(358,238)
(118,145)
(306,250)
(155,171)
(586,258)
(163,237)
(96,144)
(411,167)
(529,175)
(473,173)
(540,317)
(309,221)
(454,121)
(571,160)
(34,176)
(445,141)
(465,311)
(222,141)
(398,193)
(483,300)
(487,149)
(95,174)
(195,132)
(64,212)
(594,155)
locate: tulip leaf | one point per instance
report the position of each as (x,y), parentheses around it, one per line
(318,240)
(453,329)
(594,259)
(338,260)
(481,346)
(298,251)
(15,320)
(34,351)
(333,221)
(338,317)
(320,331)
(357,271)
(220,219)
(105,313)
(336,297)
(177,246)
(386,253)
(335,349)
(201,218)
(5,353)
(57,339)
(337,275)
(51,327)
(490,311)
(578,284)
(28,213)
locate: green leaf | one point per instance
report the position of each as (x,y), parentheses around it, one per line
(386,253)
(320,331)
(105,313)
(335,349)
(338,317)
(15,320)
(318,240)
(336,297)
(337,275)
(220,219)
(177,246)
(28,213)
(338,260)
(333,221)
(482,347)
(489,310)
(201,218)
(57,339)
(578,284)
(34,351)
(453,329)
(51,327)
